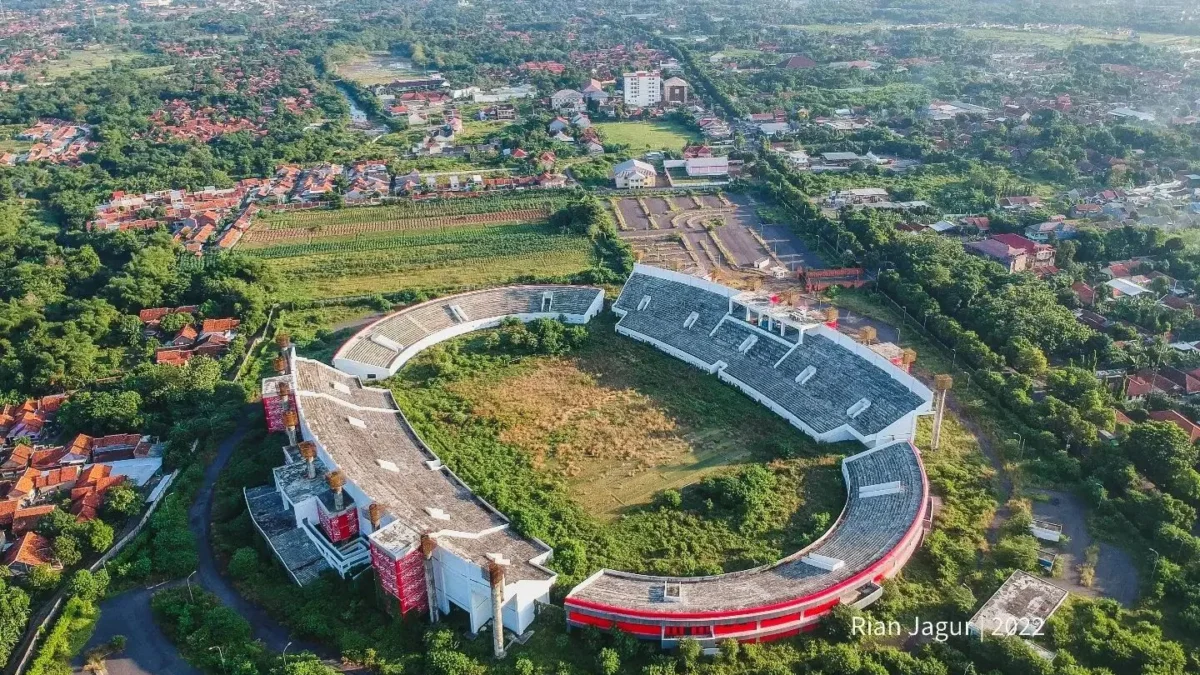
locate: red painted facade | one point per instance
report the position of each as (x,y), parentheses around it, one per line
(751,624)
(274,406)
(338,527)
(403,579)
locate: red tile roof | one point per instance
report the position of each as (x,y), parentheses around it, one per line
(1190,427)
(26,519)
(32,549)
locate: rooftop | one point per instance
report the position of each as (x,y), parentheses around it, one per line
(1022,598)
(873,523)
(376,449)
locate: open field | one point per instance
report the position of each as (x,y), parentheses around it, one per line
(380,224)
(646,136)
(703,232)
(81,61)
(592,420)
(376,68)
(420,246)
(593,439)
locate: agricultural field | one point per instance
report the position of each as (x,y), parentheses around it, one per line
(703,232)
(82,61)
(376,68)
(604,432)
(417,246)
(645,136)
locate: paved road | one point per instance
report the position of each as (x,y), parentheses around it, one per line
(148,651)
(208,575)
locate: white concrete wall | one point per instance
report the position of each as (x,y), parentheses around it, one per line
(365,371)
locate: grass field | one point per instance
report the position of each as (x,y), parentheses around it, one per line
(645,136)
(337,253)
(598,436)
(376,68)
(81,61)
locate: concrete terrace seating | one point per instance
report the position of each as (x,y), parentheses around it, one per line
(869,531)
(380,345)
(293,548)
(840,378)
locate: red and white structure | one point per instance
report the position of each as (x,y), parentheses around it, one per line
(358,486)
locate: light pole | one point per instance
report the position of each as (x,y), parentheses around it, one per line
(222,653)
(1020,448)
(285,648)
(191,596)
(954,357)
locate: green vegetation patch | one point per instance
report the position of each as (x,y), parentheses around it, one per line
(645,136)
(618,455)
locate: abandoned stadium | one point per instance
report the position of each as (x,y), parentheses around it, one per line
(358,487)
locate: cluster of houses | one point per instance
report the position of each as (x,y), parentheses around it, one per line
(1015,253)
(179,119)
(35,477)
(194,217)
(54,141)
(209,337)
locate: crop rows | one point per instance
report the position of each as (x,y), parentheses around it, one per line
(258,237)
(375,257)
(504,241)
(422,209)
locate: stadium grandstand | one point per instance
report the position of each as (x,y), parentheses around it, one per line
(382,348)
(831,388)
(824,383)
(882,524)
(358,487)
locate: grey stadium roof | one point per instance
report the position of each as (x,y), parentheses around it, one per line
(408,326)
(370,441)
(840,380)
(868,529)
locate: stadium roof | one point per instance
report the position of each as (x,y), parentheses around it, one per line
(387,343)
(887,495)
(817,375)
(368,439)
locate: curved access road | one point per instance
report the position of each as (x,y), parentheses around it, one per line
(148,651)
(273,634)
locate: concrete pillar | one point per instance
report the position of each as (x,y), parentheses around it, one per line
(427,546)
(941,385)
(496,572)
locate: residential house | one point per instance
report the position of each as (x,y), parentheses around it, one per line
(1058,229)
(29,551)
(1020,203)
(797,62)
(557,125)
(1189,427)
(634,174)
(568,101)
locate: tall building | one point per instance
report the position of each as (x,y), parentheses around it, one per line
(643,88)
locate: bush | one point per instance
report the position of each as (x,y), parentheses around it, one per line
(244,563)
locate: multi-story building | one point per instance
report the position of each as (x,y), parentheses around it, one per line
(643,88)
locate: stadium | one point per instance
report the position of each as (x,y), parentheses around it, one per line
(358,485)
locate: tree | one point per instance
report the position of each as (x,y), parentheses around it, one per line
(103,412)
(66,550)
(123,499)
(244,563)
(87,586)
(14,614)
(1160,450)
(174,322)
(608,661)
(43,577)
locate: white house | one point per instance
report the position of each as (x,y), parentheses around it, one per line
(633,174)
(568,100)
